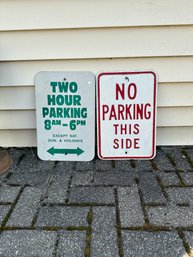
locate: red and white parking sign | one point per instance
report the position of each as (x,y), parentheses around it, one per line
(126,115)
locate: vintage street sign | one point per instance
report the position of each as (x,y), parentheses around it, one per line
(126,115)
(65,115)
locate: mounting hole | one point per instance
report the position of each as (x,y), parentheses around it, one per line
(65,153)
(126,152)
(64,79)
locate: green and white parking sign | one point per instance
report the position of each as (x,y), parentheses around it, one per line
(65,115)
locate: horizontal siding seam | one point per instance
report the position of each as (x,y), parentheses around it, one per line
(95,27)
(96,58)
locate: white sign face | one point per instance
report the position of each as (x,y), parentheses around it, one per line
(126,115)
(65,115)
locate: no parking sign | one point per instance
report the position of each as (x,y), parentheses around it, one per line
(126,115)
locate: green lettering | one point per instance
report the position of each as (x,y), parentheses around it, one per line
(52,113)
(53,85)
(51,100)
(47,124)
(63,87)
(76,100)
(45,111)
(73,87)
(84,113)
(59,112)
(68,99)
(66,113)
(60,99)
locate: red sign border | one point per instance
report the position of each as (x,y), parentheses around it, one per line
(99,123)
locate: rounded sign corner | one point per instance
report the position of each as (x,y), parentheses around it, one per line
(39,73)
(38,76)
(100,74)
(100,155)
(90,159)
(41,157)
(152,156)
(154,73)
(91,73)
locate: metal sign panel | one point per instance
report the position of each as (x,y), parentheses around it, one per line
(126,115)
(65,115)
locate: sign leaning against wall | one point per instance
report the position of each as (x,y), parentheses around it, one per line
(65,115)
(126,115)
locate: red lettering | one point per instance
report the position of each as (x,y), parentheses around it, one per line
(136,127)
(126,143)
(132,91)
(128,112)
(105,110)
(121,109)
(147,113)
(112,113)
(139,111)
(120,91)
(136,142)
(116,143)
(115,126)
(123,129)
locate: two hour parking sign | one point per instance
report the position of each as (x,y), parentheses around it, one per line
(65,115)
(126,110)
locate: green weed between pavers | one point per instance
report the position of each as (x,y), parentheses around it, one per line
(155,205)
(113,163)
(89,233)
(162,187)
(148,227)
(171,159)
(118,225)
(120,249)
(178,186)
(180,178)
(160,182)
(81,228)
(183,205)
(154,165)
(12,208)
(88,244)
(188,157)
(52,228)
(185,244)
(16,228)
(142,201)
(133,165)
(89,217)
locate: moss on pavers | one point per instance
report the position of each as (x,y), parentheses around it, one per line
(118,225)
(89,234)
(185,153)
(12,207)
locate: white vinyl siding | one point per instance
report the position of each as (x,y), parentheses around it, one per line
(94,36)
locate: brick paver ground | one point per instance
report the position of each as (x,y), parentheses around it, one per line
(98,208)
